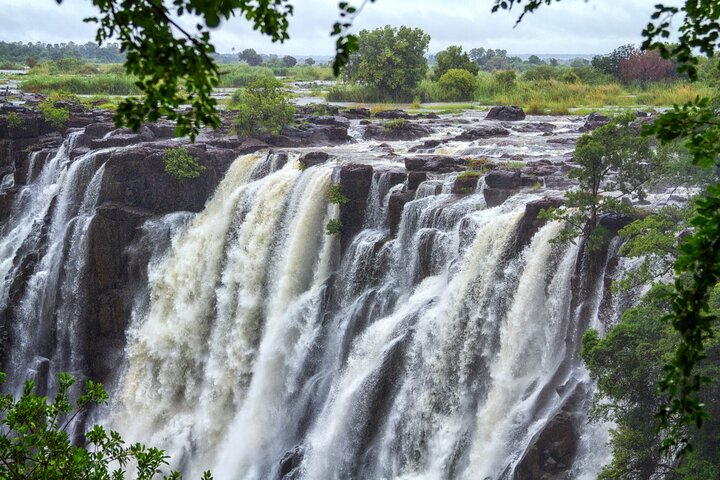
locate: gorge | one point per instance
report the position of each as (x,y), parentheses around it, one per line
(436,336)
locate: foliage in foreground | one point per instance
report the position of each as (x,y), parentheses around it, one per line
(35,443)
(263,108)
(180,164)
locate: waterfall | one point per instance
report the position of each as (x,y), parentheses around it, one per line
(45,240)
(438,343)
(428,354)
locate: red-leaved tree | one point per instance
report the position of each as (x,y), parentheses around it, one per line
(647,66)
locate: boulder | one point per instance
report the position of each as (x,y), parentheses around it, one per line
(593,121)
(426,146)
(398,131)
(392,114)
(311,159)
(511,113)
(355,113)
(482,131)
(531,127)
(503,179)
(497,196)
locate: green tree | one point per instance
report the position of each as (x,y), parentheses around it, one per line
(392,60)
(453,58)
(251,57)
(610,64)
(535,60)
(35,443)
(614,161)
(289,61)
(458,85)
(263,108)
(310,61)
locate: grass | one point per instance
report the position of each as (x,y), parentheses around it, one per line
(101,84)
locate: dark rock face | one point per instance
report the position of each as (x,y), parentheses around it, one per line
(483,131)
(497,196)
(290,464)
(552,455)
(414,179)
(434,163)
(396,203)
(354,181)
(503,179)
(506,113)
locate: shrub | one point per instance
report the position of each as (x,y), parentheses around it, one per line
(505,79)
(180,164)
(14,120)
(333,227)
(336,196)
(457,84)
(35,445)
(539,73)
(55,116)
(394,124)
(263,108)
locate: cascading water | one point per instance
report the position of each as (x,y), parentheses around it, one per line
(48,227)
(251,349)
(439,342)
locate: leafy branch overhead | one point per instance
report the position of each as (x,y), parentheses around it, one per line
(174,66)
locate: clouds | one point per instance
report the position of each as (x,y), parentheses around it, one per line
(570,27)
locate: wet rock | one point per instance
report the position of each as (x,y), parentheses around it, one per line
(530,223)
(614,222)
(553,452)
(392,114)
(530,181)
(355,113)
(503,179)
(334,120)
(497,196)
(465,184)
(311,159)
(309,134)
(482,131)
(562,140)
(593,121)
(414,179)
(290,464)
(509,113)
(426,146)
(435,163)
(531,127)
(396,203)
(398,131)
(354,181)
(162,130)
(99,130)
(122,140)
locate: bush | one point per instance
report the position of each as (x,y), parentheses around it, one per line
(14,120)
(505,79)
(34,443)
(394,124)
(101,84)
(263,108)
(180,164)
(333,227)
(335,195)
(236,76)
(55,116)
(457,85)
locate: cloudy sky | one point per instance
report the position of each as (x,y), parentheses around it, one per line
(570,27)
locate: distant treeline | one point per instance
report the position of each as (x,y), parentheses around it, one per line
(32,53)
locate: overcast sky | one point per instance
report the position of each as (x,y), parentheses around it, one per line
(570,27)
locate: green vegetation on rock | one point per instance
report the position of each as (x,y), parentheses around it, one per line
(180,164)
